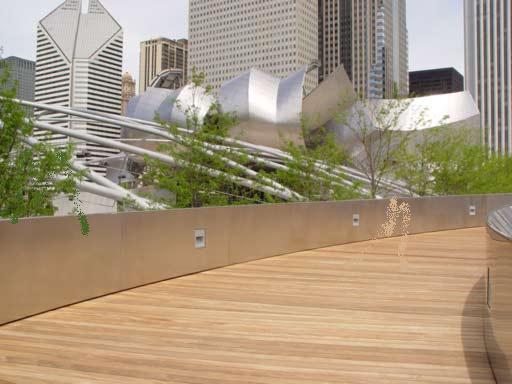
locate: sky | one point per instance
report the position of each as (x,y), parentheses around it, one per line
(436,28)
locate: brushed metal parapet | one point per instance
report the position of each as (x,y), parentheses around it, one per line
(498,323)
(127,250)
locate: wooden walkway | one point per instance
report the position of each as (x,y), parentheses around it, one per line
(356,313)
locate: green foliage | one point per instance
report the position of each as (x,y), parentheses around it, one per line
(203,151)
(189,182)
(429,162)
(28,173)
(496,175)
(303,175)
(375,150)
(84,223)
(450,162)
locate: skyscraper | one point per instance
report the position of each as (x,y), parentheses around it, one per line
(128,91)
(369,38)
(228,38)
(489,68)
(79,64)
(157,55)
(435,82)
(22,73)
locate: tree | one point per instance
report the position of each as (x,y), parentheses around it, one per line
(190,182)
(209,172)
(377,139)
(30,175)
(450,161)
(312,170)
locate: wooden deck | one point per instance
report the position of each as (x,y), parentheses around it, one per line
(356,313)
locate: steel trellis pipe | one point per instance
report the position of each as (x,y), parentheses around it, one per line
(164,158)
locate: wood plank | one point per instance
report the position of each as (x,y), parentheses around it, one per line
(355,313)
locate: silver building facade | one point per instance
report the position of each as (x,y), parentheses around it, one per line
(79,65)
(488,57)
(227,38)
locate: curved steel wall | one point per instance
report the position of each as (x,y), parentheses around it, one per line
(58,266)
(498,325)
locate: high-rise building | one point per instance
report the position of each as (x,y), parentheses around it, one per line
(435,82)
(369,38)
(128,91)
(79,64)
(157,55)
(489,68)
(228,38)
(22,74)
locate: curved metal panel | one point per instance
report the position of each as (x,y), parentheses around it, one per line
(168,105)
(190,100)
(435,110)
(498,323)
(268,108)
(153,102)
(289,98)
(332,96)
(451,111)
(234,96)
(262,94)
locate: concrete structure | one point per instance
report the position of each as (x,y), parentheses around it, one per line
(227,39)
(435,82)
(157,55)
(79,65)
(22,73)
(128,91)
(369,38)
(488,28)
